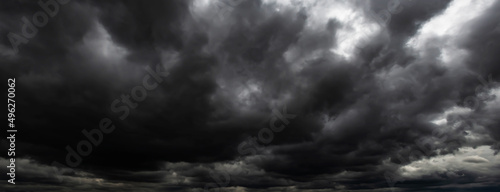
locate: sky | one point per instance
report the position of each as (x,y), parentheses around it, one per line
(252,95)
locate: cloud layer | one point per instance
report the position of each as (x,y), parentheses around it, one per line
(386,94)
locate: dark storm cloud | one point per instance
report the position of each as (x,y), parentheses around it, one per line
(355,118)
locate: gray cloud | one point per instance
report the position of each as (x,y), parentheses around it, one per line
(370,98)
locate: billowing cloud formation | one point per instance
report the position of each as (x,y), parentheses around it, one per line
(255,95)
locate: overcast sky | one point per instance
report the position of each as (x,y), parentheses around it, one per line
(253,95)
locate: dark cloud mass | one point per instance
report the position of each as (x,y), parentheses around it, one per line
(253,95)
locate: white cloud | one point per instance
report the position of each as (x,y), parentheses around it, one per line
(443,30)
(480,161)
